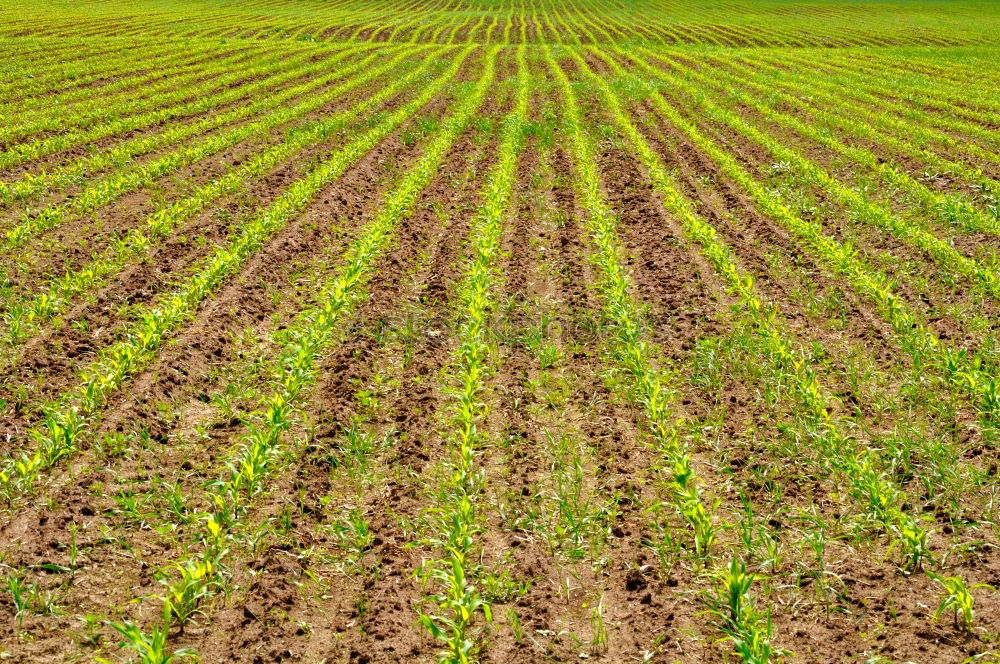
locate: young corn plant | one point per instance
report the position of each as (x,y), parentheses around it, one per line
(151,647)
(748,629)
(957,599)
(198,579)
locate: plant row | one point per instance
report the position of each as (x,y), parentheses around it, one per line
(459,600)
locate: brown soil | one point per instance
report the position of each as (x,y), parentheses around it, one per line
(581,548)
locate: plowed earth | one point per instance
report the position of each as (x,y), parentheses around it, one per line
(580,549)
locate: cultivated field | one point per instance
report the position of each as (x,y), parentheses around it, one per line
(499,331)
